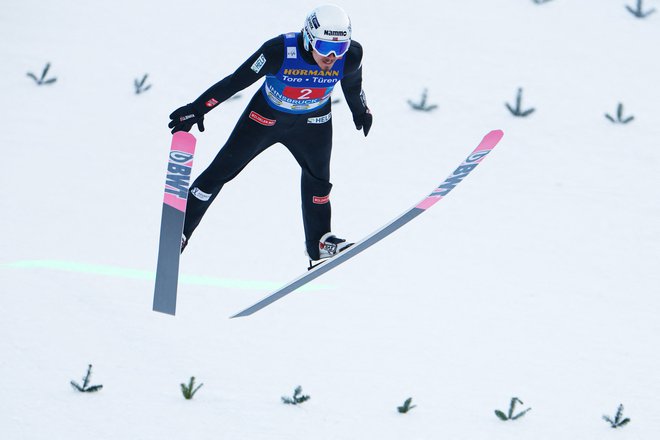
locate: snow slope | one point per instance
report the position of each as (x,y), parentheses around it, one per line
(536,278)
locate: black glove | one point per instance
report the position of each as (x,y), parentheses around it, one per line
(183,119)
(364,121)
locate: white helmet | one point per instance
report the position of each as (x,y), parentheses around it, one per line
(327,30)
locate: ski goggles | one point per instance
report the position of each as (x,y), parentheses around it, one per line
(325,48)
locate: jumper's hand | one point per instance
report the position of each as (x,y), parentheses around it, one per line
(364,121)
(183,119)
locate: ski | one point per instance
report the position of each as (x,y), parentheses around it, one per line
(177,183)
(487,144)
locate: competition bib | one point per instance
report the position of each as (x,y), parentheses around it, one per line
(299,87)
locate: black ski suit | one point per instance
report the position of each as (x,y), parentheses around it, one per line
(307,135)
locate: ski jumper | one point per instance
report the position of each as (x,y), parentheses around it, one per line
(292,107)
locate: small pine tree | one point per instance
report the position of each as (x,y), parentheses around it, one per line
(189,390)
(140,85)
(42,79)
(403,409)
(297,397)
(85,388)
(517,110)
(620,119)
(422,105)
(618,418)
(510,415)
(639,10)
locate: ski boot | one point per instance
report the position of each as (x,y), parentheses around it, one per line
(329,246)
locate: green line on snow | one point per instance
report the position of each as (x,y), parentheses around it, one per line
(120,272)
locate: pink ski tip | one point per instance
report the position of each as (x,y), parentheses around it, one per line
(490,140)
(496,134)
(184,141)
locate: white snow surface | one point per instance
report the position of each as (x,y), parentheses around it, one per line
(537,277)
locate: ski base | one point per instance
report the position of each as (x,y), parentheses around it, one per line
(171,227)
(487,144)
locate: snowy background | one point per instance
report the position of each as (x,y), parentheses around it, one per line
(536,278)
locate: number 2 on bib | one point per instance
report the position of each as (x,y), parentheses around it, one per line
(300,93)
